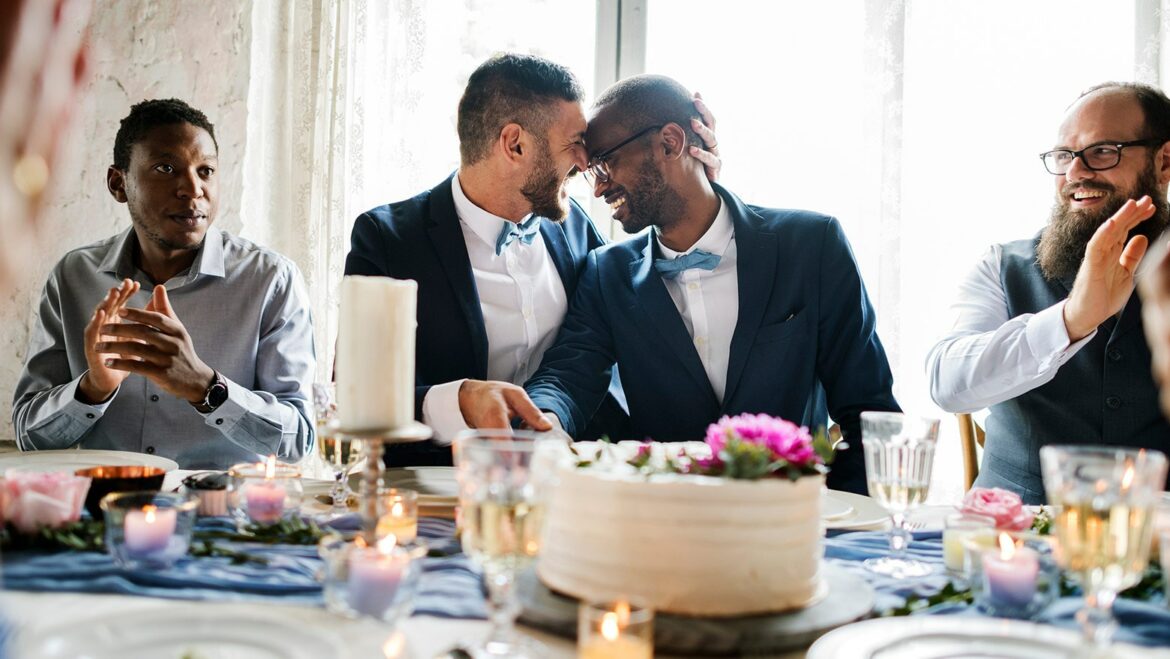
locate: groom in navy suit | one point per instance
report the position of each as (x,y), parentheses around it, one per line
(496,250)
(721,308)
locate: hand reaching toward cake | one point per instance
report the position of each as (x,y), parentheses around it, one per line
(489,404)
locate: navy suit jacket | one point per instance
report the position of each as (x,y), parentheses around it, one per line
(805,339)
(420,238)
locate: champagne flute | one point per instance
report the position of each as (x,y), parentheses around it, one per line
(899,452)
(336,453)
(504,479)
(1105,499)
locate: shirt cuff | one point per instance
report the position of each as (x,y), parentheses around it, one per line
(1048,338)
(440,411)
(225,417)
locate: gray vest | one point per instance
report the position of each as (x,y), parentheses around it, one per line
(1103,395)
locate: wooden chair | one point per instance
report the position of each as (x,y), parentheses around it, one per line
(970,434)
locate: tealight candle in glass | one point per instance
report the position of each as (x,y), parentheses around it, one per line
(374,582)
(614,630)
(399,518)
(265,492)
(148,529)
(959,527)
(1012,575)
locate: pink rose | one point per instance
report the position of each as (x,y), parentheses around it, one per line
(34,500)
(1006,508)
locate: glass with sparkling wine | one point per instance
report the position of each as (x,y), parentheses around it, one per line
(1105,499)
(504,481)
(899,452)
(336,453)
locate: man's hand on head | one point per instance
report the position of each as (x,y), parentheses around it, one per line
(709,155)
(1105,280)
(100,382)
(489,404)
(153,343)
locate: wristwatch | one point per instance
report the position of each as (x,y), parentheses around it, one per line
(216,394)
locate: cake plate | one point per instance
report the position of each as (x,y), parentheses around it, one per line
(849,599)
(372,441)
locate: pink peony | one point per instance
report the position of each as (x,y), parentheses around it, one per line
(34,500)
(1006,508)
(786,440)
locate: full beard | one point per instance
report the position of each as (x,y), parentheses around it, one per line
(651,201)
(543,189)
(1062,245)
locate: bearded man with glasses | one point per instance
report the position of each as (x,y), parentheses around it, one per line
(1047,330)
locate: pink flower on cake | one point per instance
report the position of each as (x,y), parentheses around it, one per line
(786,440)
(34,500)
(1006,508)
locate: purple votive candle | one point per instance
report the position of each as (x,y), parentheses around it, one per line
(265,501)
(1009,576)
(374,578)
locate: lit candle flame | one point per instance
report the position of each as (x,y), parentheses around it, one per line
(386,545)
(393,647)
(623,612)
(149,510)
(270,468)
(397,510)
(609,626)
(1007,547)
(1127,478)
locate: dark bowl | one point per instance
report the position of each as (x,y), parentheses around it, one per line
(104,480)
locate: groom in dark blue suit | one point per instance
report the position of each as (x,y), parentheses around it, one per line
(721,308)
(496,249)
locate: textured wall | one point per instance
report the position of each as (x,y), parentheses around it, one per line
(196,51)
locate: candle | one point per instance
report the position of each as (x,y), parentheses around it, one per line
(960,527)
(621,632)
(401,518)
(374,577)
(1010,574)
(148,531)
(265,499)
(375,353)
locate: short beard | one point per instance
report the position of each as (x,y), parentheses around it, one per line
(158,239)
(651,201)
(542,189)
(1062,245)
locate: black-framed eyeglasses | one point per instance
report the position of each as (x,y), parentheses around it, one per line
(598,169)
(1097,157)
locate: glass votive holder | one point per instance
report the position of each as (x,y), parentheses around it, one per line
(959,527)
(264,493)
(377,582)
(1011,574)
(399,515)
(148,529)
(614,630)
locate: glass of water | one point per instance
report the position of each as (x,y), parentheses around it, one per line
(899,453)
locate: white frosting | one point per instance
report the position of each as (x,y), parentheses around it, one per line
(375,353)
(691,545)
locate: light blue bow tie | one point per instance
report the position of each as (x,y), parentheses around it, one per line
(511,231)
(671,268)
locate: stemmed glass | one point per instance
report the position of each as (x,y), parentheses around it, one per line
(1105,500)
(504,480)
(336,453)
(899,452)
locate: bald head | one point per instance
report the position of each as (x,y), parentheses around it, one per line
(1155,106)
(641,101)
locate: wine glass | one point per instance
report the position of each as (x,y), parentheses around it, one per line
(899,452)
(504,480)
(1105,500)
(335,452)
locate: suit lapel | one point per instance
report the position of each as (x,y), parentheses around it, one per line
(562,256)
(447,238)
(662,315)
(756,274)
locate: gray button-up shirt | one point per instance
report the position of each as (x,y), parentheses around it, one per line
(246,310)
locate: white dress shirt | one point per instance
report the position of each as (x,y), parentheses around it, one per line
(523,302)
(708,300)
(986,357)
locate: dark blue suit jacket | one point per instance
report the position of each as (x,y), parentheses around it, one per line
(421,239)
(805,339)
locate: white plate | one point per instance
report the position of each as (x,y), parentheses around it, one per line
(934,637)
(833,508)
(73,459)
(866,513)
(436,486)
(234,632)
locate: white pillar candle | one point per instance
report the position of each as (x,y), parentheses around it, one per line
(375,353)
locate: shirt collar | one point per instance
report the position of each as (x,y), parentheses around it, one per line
(483,224)
(714,241)
(119,261)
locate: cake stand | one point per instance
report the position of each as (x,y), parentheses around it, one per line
(372,441)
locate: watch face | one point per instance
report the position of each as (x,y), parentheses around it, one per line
(217,395)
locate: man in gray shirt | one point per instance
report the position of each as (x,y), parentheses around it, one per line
(215,367)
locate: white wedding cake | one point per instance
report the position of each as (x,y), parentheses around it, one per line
(681,543)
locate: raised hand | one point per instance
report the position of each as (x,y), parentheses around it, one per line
(1105,280)
(100,381)
(155,344)
(706,130)
(495,404)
